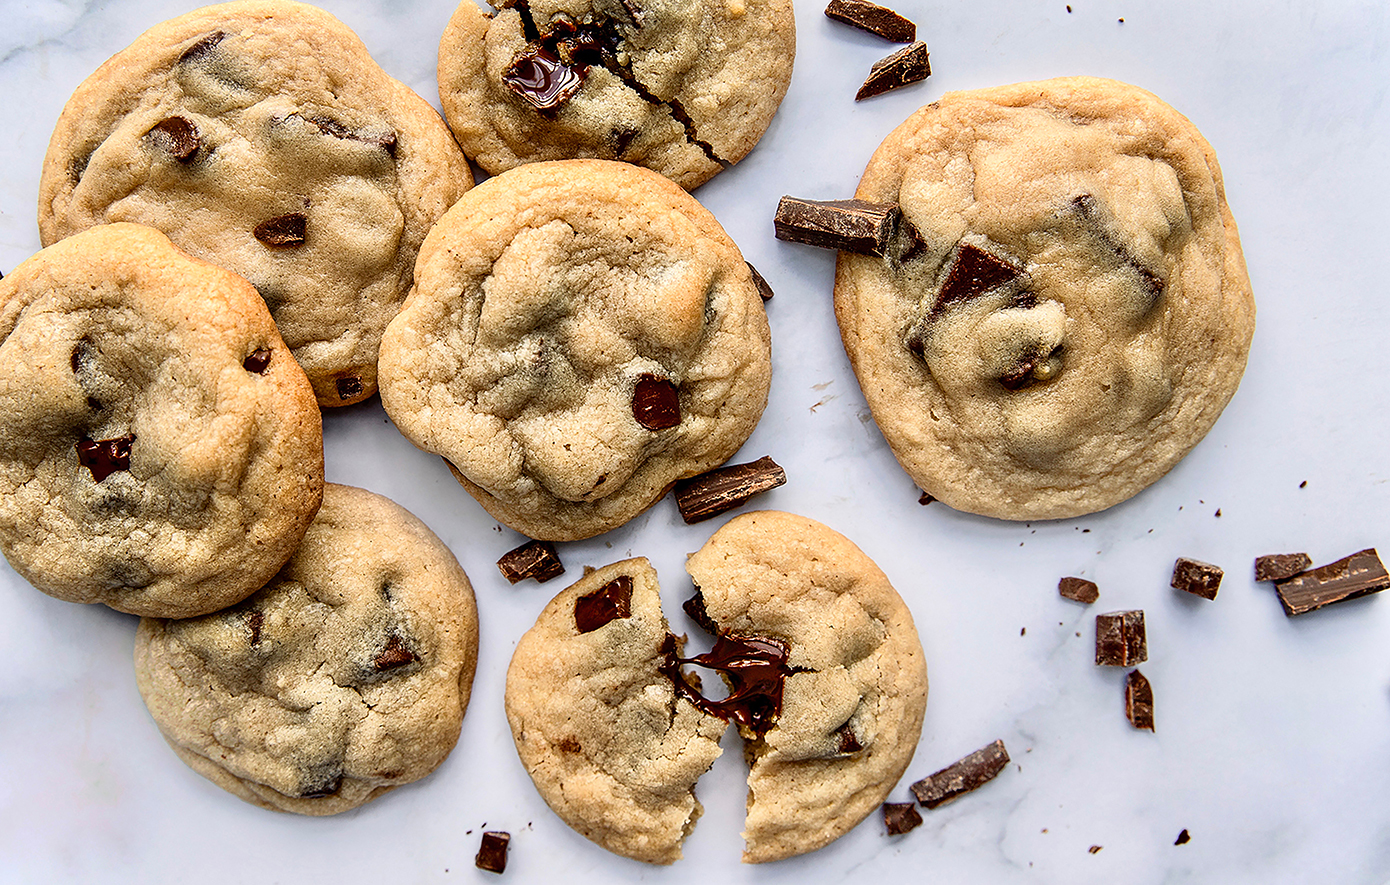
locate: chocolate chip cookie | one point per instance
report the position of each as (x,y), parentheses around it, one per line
(1067,310)
(685,87)
(581,335)
(261,136)
(160,449)
(345,677)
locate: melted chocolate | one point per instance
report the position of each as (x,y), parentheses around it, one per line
(105,456)
(551,69)
(656,403)
(755,668)
(282,230)
(608,603)
(348,386)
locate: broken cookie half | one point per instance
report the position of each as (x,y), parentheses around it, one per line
(825,681)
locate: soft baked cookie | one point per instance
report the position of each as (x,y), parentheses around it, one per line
(160,450)
(581,335)
(610,745)
(685,87)
(261,136)
(344,678)
(1073,312)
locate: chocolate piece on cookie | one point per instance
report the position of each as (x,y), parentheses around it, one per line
(684,87)
(582,334)
(344,678)
(1076,312)
(160,450)
(260,135)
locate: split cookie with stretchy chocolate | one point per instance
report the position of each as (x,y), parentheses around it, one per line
(345,677)
(1066,310)
(581,335)
(685,87)
(260,135)
(160,450)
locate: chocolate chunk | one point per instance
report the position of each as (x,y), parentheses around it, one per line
(105,456)
(1279,566)
(1120,639)
(1183,838)
(394,655)
(1099,221)
(656,403)
(348,386)
(961,777)
(323,781)
(875,19)
(925,499)
(848,225)
(695,609)
(764,290)
(1095,849)
(608,603)
(492,854)
(282,230)
(1079,589)
(1357,575)
(1139,701)
(202,48)
(901,817)
(254,622)
(258,361)
(908,65)
(1198,578)
(846,740)
(541,79)
(329,126)
(973,273)
(534,559)
(725,488)
(175,136)
(1031,369)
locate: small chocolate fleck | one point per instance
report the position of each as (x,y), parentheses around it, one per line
(570,745)
(258,361)
(608,603)
(349,386)
(394,655)
(764,290)
(1094,849)
(177,137)
(656,403)
(961,777)
(534,559)
(875,19)
(105,456)
(1183,838)
(847,225)
(1079,590)
(492,853)
(282,230)
(1120,639)
(254,622)
(901,817)
(724,488)
(1139,701)
(1356,575)
(1279,566)
(911,64)
(1198,578)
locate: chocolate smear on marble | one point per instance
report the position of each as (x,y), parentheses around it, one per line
(724,488)
(282,230)
(177,137)
(1120,639)
(534,559)
(1280,566)
(856,226)
(1198,578)
(492,852)
(656,403)
(105,456)
(961,777)
(1357,575)
(1139,701)
(911,64)
(608,603)
(901,817)
(1078,590)
(877,20)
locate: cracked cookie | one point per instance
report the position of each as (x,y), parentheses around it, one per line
(1066,310)
(825,677)
(684,88)
(581,335)
(160,450)
(345,677)
(260,135)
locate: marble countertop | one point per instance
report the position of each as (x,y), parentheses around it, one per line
(1272,733)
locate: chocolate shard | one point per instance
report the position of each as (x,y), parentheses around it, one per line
(973,273)
(901,817)
(848,225)
(534,559)
(492,853)
(1120,639)
(846,741)
(764,290)
(336,128)
(258,361)
(1279,566)
(1079,590)
(1359,574)
(926,499)
(105,456)
(608,603)
(961,777)
(1198,578)
(395,654)
(177,137)
(1139,701)
(720,490)
(656,403)
(282,230)
(911,64)
(875,19)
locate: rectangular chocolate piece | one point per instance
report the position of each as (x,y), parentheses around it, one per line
(908,65)
(723,489)
(492,854)
(1139,700)
(848,225)
(1279,566)
(1120,639)
(901,817)
(1357,575)
(1079,589)
(968,774)
(875,19)
(1198,578)
(534,559)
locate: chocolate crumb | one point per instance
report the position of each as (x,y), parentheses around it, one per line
(1095,848)
(1120,639)
(877,20)
(492,853)
(258,361)
(282,230)
(1139,701)
(1303,485)
(105,456)
(608,603)
(961,777)
(177,137)
(656,403)
(1078,590)
(1357,575)
(348,386)
(901,817)
(1218,512)
(911,64)
(724,488)
(1198,578)
(534,559)
(1183,838)
(1280,566)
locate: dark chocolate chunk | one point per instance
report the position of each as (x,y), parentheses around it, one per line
(1099,222)
(1198,578)
(606,604)
(175,136)
(1030,370)
(875,19)
(695,609)
(1357,575)
(764,290)
(1079,589)
(908,65)
(329,126)
(848,225)
(725,488)
(656,403)
(254,622)
(348,386)
(324,780)
(395,654)
(1183,838)
(1139,700)
(534,559)
(1120,639)
(492,853)
(961,777)
(282,230)
(105,456)
(202,48)
(846,740)
(973,273)
(552,67)
(1279,566)
(901,817)
(258,361)
(925,499)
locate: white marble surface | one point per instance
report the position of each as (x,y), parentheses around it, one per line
(1272,739)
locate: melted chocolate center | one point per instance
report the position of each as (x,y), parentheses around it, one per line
(755,668)
(105,456)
